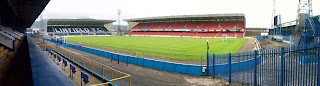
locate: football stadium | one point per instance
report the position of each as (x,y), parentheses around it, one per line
(174,39)
(207,49)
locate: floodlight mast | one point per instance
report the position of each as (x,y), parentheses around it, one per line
(119,13)
(304,11)
(273,13)
(42,22)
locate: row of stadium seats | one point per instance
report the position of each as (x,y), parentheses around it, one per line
(180,25)
(213,26)
(75,29)
(234,35)
(253,33)
(74,34)
(79,30)
(9,40)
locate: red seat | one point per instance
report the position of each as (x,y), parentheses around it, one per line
(179,25)
(188,34)
(209,28)
(239,35)
(193,25)
(206,34)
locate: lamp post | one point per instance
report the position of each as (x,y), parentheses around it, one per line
(119,13)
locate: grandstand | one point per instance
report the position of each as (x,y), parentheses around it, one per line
(210,25)
(287,29)
(67,27)
(253,32)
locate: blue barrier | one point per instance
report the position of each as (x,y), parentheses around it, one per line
(132,60)
(155,64)
(259,38)
(162,65)
(181,68)
(148,63)
(169,67)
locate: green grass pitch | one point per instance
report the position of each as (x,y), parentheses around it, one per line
(169,47)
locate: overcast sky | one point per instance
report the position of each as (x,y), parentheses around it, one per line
(257,12)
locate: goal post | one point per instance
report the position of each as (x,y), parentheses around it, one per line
(225,37)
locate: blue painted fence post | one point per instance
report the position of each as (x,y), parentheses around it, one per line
(127,60)
(118,59)
(255,68)
(229,62)
(207,69)
(208,63)
(111,57)
(281,66)
(318,66)
(213,66)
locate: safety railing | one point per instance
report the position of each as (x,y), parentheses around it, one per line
(115,79)
(258,46)
(102,71)
(292,66)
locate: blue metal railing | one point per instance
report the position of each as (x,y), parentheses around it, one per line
(291,66)
(317,22)
(313,26)
(318,18)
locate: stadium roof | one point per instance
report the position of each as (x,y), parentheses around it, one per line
(20,13)
(189,17)
(78,22)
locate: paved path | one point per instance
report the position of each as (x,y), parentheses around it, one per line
(248,46)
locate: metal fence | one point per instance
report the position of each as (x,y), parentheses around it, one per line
(286,66)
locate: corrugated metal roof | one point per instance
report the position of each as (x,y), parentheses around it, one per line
(21,13)
(190,17)
(78,22)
